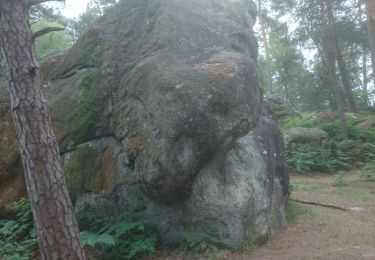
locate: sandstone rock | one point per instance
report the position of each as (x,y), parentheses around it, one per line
(152,108)
(302,135)
(276,108)
(242,193)
(11,179)
(331,115)
(368,123)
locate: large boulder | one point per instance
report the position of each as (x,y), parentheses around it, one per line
(303,135)
(153,107)
(242,193)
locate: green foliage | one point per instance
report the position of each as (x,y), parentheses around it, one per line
(17,235)
(306,158)
(249,246)
(94,10)
(335,155)
(203,242)
(120,238)
(368,171)
(293,211)
(51,42)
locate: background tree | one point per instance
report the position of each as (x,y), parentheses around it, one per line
(95,9)
(54,219)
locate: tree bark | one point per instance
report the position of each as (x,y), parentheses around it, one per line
(330,62)
(54,219)
(345,77)
(331,66)
(364,58)
(370,10)
(266,47)
(340,60)
(364,76)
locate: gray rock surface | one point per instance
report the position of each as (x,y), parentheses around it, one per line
(276,108)
(242,193)
(302,135)
(153,107)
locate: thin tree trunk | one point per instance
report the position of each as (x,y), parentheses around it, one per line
(364,75)
(266,48)
(329,57)
(370,10)
(340,60)
(54,219)
(330,62)
(364,58)
(345,77)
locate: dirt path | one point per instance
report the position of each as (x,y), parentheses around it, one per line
(323,233)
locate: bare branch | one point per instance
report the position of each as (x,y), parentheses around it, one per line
(35,2)
(34,22)
(47,30)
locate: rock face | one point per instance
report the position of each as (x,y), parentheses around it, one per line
(11,181)
(277,108)
(153,108)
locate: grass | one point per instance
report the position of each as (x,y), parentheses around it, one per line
(293,211)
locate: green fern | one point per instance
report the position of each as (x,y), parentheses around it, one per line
(120,238)
(17,235)
(203,242)
(95,240)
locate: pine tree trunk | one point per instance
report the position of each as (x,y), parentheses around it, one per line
(330,62)
(370,10)
(345,77)
(364,76)
(54,219)
(340,60)
(266,47)
(364,58)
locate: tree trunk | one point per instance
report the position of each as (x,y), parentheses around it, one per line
(340,60)
(364,75)
(266,48)
(370,10)
(331,66)
(330,62)
(345,77)
(364,58)
(54,219)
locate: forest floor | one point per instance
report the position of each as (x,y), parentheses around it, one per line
(316,232)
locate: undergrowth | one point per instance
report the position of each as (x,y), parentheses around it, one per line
(124,237)
(207,242)
(336,154)
(17,235)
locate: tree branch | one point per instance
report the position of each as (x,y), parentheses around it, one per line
(47,30)
(319,204)
(35,2)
